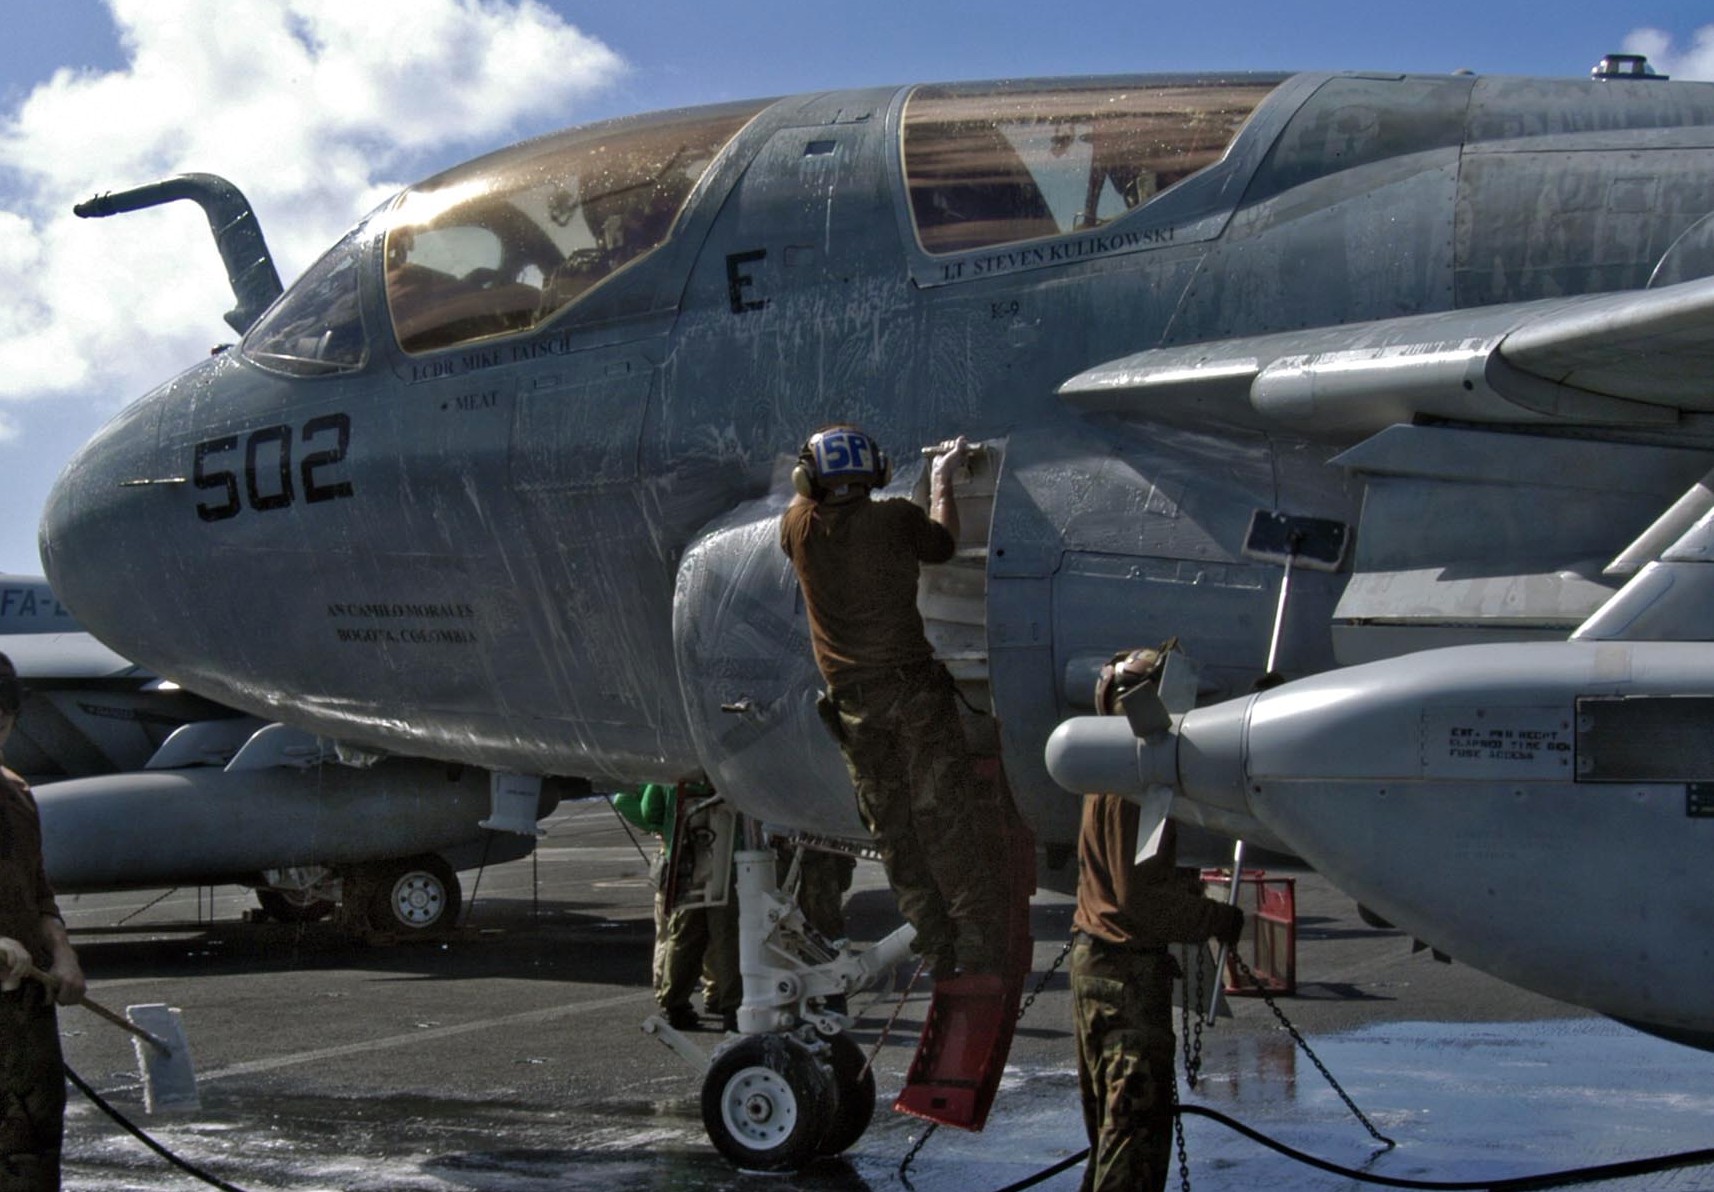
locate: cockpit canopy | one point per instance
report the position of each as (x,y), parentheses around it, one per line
(501,244)
(990,163)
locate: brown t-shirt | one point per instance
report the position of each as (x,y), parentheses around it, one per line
(1122,902)
(858,564)
(25,895)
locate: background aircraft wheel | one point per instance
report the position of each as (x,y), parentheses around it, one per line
(766,1103)
(294,906)
(854,1101)
(414,895)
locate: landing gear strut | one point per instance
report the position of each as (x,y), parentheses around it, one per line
(791,1085)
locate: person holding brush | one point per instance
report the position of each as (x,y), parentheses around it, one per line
(32,935)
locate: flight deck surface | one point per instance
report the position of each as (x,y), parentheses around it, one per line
(509,1057)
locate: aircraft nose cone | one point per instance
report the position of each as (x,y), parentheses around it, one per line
(98,548)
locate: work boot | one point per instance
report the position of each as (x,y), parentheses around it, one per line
(937,948)
(977,955)
(980,963)
(729,1021)
(683,1018)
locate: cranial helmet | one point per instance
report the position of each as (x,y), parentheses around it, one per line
(1125,672)
(837,456)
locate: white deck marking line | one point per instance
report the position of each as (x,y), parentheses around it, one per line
(428,1035)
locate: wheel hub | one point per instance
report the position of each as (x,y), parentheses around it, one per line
(418,899)
(759,1107)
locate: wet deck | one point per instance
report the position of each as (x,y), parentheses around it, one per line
(509,1057)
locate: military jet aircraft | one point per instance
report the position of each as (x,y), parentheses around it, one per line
(496,481)
(142,784)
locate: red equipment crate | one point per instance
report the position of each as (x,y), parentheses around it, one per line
(1269,944)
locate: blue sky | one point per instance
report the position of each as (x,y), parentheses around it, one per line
(318,109)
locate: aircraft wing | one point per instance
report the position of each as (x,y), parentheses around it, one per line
(46,643)
(66,656)
(1640,358)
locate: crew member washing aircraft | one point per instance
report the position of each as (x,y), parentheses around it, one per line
(32,1072)
(1128,911)
(890,704)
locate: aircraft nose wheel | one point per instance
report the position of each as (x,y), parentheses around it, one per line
(767,1103)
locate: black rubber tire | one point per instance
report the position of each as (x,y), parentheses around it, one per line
(413,896)
(766,1103)
(286,906)
(854,1099)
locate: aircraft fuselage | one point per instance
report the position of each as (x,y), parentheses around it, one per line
(520,514)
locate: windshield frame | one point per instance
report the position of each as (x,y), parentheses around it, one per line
(359,242)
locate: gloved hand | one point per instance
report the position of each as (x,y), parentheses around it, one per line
(1228,925)
(15,961)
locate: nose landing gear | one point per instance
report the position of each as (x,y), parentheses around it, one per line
(793,1085)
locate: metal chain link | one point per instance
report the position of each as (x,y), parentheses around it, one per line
(1190,1036)
(1244,971)
(1045,977)
(1191,1040)
(1178,1128)
(916,1147)
(886,1030)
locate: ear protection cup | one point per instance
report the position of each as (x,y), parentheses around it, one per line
(803,478)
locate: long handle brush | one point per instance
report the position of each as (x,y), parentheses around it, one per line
(163,1054)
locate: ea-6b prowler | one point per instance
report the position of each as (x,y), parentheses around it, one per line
(496,481)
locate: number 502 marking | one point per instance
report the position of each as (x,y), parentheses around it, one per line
(268,468)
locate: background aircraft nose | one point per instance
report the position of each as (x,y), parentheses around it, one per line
(100,535)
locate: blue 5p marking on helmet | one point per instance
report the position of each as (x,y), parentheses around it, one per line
(844,455)
(839,456)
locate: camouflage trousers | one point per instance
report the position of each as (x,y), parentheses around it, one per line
(697,940)
(937,825)
(823,879)
(1122,1003)
(32,1092)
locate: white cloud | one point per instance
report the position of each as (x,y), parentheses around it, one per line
(1695,62)
(316,109)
